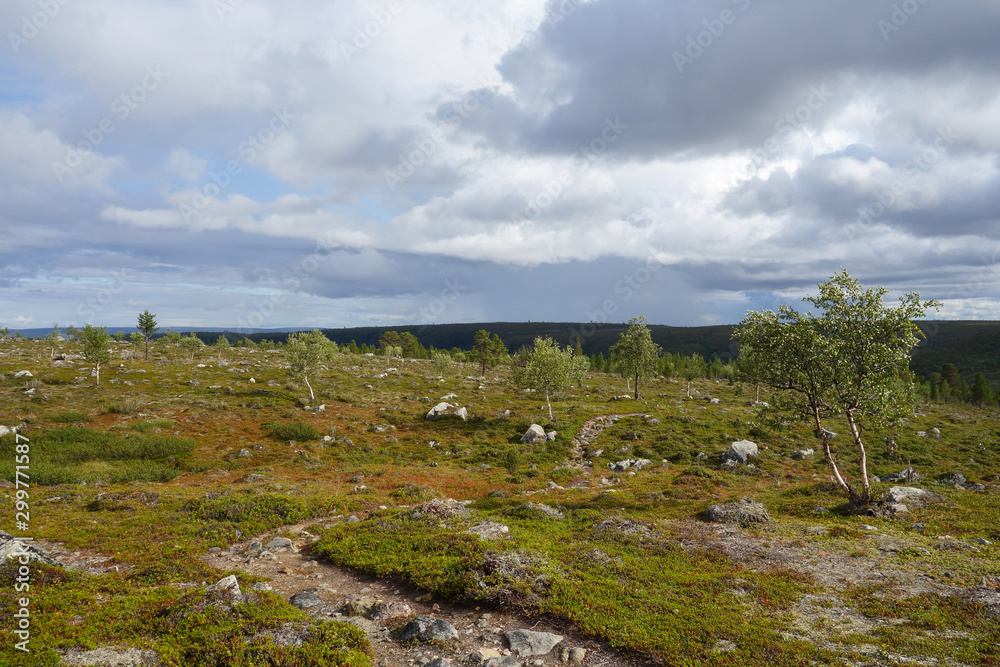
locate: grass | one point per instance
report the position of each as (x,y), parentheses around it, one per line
(628,563)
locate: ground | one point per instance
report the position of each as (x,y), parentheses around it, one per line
(152,486)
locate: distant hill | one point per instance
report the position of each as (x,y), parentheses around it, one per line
(973,346)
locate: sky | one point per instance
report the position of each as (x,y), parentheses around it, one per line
(331,163)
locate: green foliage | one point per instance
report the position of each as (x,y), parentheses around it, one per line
(297,431)
(147,326)
(71,455)
(304,352)
(252,514)
(488,351)
(635,354)
(96,347)
(418,552)
(850,359)
(544,367)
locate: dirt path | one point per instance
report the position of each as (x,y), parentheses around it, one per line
(479,627)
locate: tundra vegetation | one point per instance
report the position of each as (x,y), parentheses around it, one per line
(609,530)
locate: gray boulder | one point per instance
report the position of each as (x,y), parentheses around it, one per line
(305,599)
(502,661)
(525,643)
(11,548)
(489,530)
(428,629)
(741,451)
(627,464)
(227,587)
(279,544)
(743,513)
(953,479)
(800,454)
(447,410)
(534,435)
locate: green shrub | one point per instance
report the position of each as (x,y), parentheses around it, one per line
(298,431)
(252,514)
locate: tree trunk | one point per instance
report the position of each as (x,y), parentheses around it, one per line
(312,397)
(841,482)
(637,386)
(549,403)
(756,398)
(147,348)
(97,370)
(862,457)
(689,388)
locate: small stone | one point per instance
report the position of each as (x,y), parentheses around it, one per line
(279,544)
(528,643)
(305,600)
(428,629)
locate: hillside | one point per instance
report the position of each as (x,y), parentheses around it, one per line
(624,535)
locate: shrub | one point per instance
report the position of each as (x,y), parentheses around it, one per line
(297,431)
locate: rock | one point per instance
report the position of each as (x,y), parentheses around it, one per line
(982,541)
(305,599)
(360,605)
(111,657)
(907,474)
(227,587)
(988,598)
(741,451)
(12,548)
(743,512)
(526,643)
(245,453)
(702,456)
(544,509)
(428,629)
(23,374)
(714,401)
(724,646)
(502,661)
(386,612)
(438,508)
(830,435)
(759,404)
(7,430)
(439,662)
(447,410)
(936,433)
(279,544)
(921,434)
(551,435)
(574,656)
(623,397)
(489,530)
(800,454)
(636,464)
(953,479)
(912,496)
(481,655)
(534,435)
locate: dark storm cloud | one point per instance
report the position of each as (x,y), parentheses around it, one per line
(629,60)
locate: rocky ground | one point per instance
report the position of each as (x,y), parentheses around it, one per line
(385,610)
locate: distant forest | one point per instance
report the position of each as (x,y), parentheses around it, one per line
(970,347)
